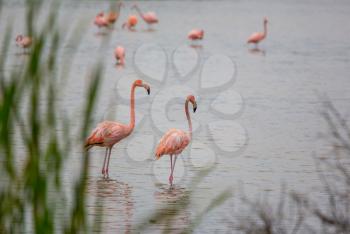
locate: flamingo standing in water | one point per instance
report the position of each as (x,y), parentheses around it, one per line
(113,16)
(175,140)
(119,54)
(149,17)
(196,34)
(23,41)
(259,36)
(101,21)
(131,22)
(108,133)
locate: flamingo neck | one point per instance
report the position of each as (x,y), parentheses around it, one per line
(132,108)
(265,29)
(140,12)
(188,119)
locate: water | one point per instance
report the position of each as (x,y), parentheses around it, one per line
(260,133)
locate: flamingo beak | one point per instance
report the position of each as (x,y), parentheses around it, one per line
(149,91)
(194,107)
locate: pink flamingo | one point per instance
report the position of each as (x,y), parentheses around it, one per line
(101,21)
(196,34)
(108,133)
(259,36)
(149,17)
(119,54)
(175,141)
(131,22)
(23,41)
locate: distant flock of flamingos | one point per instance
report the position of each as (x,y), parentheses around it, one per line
(108,133)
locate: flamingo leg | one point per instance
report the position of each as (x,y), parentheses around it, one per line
(109,156)
(171,168)
(172,171)
(104,162)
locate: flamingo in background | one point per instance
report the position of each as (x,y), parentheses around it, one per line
(149,17)
(119,54)
(108,133)
(131,22)
(259,36)
(101,21)
(113,16)
(175,141)
(23,41)
(196,34)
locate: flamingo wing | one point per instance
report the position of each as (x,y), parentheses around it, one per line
(107,133)
(173,142)
(255,37)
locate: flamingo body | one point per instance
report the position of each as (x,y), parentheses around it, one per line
(119,54)
(256,37)
(101,21)
(196,34)
(173,142)
(131,22)
(108,133)
(112,17)
(23,41)
(149,17)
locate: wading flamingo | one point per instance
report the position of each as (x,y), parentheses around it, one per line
(259,36)
(196,34)
(23,41)
(119,54)
(149,17)
(101,21)
(113,16)
(108,133)
(175,141)
(131,22)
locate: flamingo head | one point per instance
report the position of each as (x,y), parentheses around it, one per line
(19,37)
(192,99)
(140,83)
(265,20)
(100,14)
(201,33)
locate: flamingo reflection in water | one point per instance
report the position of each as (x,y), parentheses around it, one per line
(115,198)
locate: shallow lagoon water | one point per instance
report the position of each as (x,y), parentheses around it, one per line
(258,120)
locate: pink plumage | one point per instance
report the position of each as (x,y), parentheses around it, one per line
(149,17)
(108,133)
(101,21)
(23,41)
(119,54)
(258,36)
(196,34)
(175,141)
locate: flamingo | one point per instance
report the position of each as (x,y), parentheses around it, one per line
(196,34)
(101,21)
(119,54)
(259,36)
(149,17)
(175,141)
(112,16)
(23,41)
(131,22)
(108,133)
